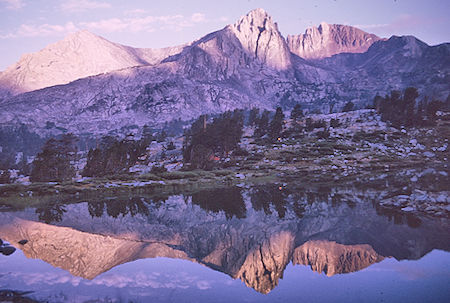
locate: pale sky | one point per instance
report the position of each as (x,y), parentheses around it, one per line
(29,25)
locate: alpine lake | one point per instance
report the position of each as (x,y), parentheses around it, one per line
(268,241)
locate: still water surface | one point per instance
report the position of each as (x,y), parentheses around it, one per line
(255,244)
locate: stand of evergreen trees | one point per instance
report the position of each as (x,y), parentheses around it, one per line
(271,129)
(206,140)
(402,109)
(114,156)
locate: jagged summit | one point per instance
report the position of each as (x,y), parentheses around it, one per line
(327,40)
(257,13)
(410,46)
(259,36)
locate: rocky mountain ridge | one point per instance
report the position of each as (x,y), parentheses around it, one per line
(327,40)
(77,56)
(246,64)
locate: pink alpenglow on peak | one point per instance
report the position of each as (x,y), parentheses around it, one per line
(259,35)
(78,55)
(327,40)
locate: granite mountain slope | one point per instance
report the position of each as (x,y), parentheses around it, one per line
(79,55)
(246,64)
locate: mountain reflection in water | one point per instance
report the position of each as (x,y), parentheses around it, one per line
(248,233)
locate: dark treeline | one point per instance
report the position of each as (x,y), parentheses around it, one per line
(18,139)
(114,208)
(403,109)
(272,199)
(110,156)
(51,213)
(228,200)
(113,156)
(206,141)
(266,126)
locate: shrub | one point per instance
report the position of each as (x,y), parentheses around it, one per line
(335,123)
(156,169)
(323,134)
(5,177)
(240,152)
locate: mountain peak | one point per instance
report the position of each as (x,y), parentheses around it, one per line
(327,40)
(81,35)
(257,13)
(324,25)
(409,46)
(260,37)
(78,55)
(257,20)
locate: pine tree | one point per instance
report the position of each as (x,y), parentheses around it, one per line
(262,125)
(348,107)
(53,163)
(253,116)
(296,113)
(205,140)
(276,125)
(409,102)
(162,136)
(431,110)
(147,135)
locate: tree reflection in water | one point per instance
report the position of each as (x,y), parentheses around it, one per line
(7,295)
(399,217)
(51,213)
(270,198)
(115,207)
(229,200)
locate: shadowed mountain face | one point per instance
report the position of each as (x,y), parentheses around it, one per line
(246,64)
(252,239)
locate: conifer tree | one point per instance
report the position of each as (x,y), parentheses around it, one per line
(348,107)
(296,113)
(276,125)
(53,163)
(253,116)
(262,125)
